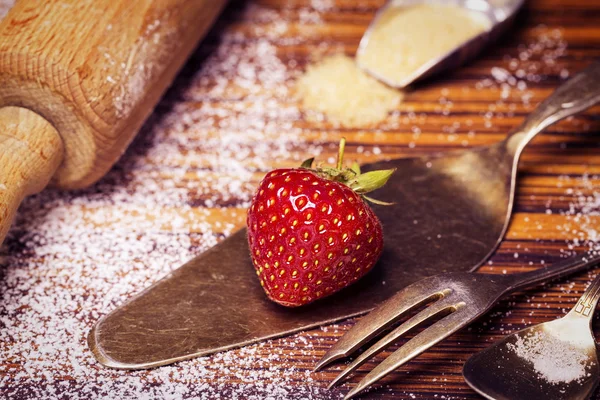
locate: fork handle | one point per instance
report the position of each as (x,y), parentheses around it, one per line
(558,269)
(587,302)
(579,93)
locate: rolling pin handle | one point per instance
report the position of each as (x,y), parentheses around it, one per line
(30,152)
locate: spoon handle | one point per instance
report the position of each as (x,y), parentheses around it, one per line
(587,302)
(561,268)
(578,94)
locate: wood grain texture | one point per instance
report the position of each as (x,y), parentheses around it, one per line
(31,152)
(187,148)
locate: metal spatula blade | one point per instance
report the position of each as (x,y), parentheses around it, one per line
(451,212)
(215,302)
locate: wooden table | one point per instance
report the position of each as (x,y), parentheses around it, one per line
(231,116)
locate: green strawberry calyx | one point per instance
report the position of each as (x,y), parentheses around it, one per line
(352,177)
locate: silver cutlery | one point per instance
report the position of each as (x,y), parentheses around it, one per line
(479,187)
(554,360)
(457,299)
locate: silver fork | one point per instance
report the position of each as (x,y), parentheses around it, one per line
(456,298)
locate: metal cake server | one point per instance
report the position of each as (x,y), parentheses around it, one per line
(567,344)
(499,13)
(451,212)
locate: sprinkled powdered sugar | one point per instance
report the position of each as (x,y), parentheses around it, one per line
(555,360)
(5,6)
(539,57)
(72,257)
(345,94)
(583,213)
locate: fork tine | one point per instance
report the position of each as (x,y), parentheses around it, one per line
(432,311)
(414,347)
(390,311)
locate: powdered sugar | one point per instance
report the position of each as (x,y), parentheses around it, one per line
(583,212)
(72,257)
(345,94)
(538,59)
(555,360)
(5,6)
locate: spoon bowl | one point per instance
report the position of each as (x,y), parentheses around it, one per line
(498,15)
(554,360)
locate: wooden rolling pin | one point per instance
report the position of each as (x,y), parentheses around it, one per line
(77,80)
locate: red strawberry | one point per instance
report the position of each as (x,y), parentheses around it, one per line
(311,233)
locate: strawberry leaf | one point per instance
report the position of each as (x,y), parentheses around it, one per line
(375,201)
(369,181)
(307,163)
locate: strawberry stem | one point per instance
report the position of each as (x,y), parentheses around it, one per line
(361,183)
(340,158)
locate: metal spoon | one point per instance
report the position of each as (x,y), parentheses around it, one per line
(498,13)
(554,360)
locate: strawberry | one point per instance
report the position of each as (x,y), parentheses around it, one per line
(310,231)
